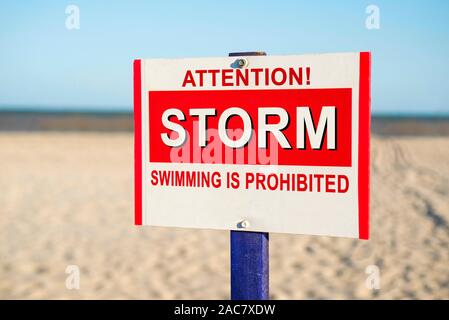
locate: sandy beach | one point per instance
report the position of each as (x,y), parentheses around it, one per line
(67,199)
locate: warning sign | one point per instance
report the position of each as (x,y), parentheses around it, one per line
(256,143)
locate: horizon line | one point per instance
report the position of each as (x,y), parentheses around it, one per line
(48,109)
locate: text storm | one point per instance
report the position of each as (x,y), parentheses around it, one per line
(277,127)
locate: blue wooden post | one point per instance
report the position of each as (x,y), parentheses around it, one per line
(249,254)
(249,265)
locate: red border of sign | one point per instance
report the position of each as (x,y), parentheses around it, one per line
(137,142)
(364,141)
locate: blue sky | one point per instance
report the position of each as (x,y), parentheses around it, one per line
(45,65)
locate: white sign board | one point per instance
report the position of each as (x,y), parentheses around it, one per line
(256,143)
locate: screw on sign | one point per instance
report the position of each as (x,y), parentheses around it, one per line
(254,144)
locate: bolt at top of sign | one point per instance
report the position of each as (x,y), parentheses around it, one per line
(243,62)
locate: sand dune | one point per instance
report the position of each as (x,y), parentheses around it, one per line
(66,199)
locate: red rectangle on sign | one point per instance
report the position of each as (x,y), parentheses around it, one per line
(252,101)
